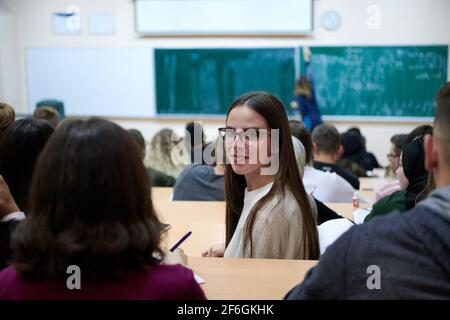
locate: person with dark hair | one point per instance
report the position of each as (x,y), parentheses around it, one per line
(373,160)
(397,143)
(90,207)
(268,212)
(354,150)
(47,113)
(20,145)
(7,116)
(420,131)
(413,179)
(202,182)
(305,96)
(324,186)
(157,178)
(327,149)
(194,141)
(396,256)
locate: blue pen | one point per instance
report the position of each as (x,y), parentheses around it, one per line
(180,241)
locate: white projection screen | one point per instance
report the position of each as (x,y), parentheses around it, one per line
(223,17)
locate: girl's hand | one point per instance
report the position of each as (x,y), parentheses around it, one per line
(216,250)
(176,257)
(306,54)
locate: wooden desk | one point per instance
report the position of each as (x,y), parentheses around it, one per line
(346,209)
(371,184)
(258,279)
(162,194)
(369,195)
(206,220)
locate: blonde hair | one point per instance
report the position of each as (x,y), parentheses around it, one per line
(7,115)
(163,145)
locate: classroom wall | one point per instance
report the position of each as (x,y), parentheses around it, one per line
(9,58)
(402,22)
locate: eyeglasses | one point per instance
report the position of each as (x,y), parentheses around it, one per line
(390,156)
(248,134)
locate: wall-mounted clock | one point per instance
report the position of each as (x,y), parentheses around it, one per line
(331,20)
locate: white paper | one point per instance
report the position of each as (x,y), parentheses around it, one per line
(331,230)
(198,279)
(360,214)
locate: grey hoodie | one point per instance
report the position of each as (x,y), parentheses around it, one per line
(410,251)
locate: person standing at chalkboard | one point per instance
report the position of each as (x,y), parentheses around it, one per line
(305,96)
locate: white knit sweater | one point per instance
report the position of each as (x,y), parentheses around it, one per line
(277,230)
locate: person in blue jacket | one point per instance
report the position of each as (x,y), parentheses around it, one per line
(305,96)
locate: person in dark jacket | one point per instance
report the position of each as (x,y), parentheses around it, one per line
(327,149)
(355,151)
(396,256)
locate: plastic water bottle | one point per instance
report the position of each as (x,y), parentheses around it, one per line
(355,199)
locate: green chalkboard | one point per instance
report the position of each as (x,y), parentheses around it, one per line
(400,81)
(206,81)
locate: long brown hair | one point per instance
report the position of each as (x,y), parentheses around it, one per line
(89,206)
(287,177)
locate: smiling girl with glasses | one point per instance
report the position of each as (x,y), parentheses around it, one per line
(268,215)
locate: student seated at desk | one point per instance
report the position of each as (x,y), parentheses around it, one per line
(397,143)
(414,179)
(163,146)
(157,178)
(90,207)
(202,182)
(20,145)
(268,213)
(323,186)
(397,256)
(327,149)
(355,150)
